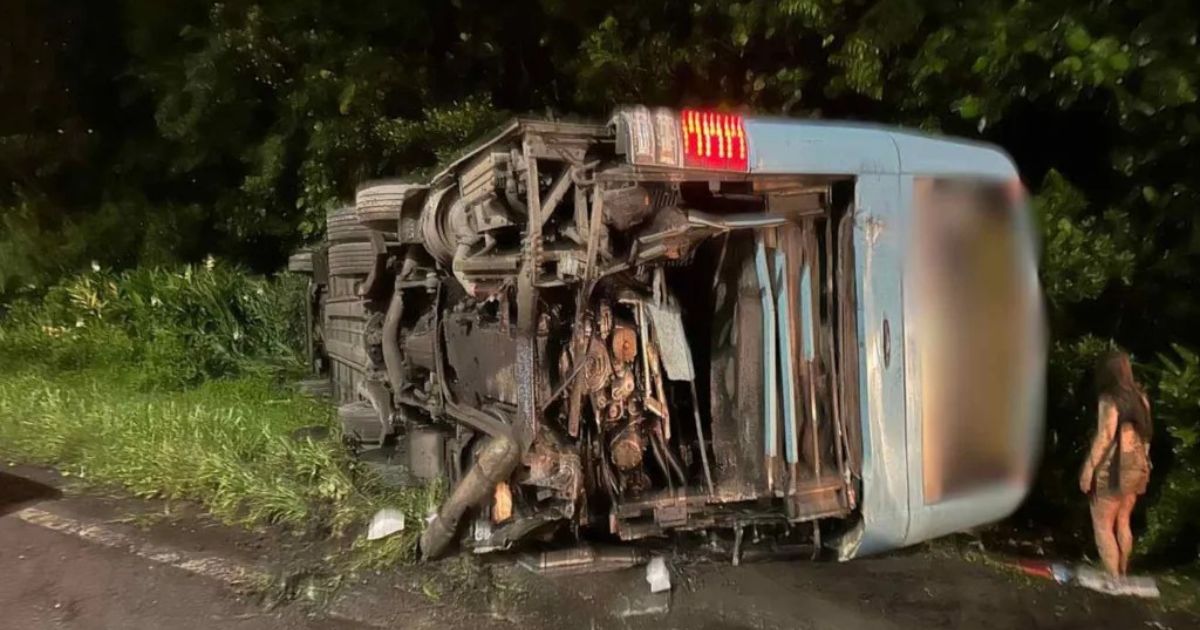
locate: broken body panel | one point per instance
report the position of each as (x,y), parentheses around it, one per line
(682,322)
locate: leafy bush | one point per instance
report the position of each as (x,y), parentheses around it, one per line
(1172,526)
(1069,429)
(180,326)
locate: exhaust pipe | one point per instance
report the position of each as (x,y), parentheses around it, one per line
(393,360)
(495,463)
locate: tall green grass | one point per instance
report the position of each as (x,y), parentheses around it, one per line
(171,383)
(179,326)
(225,443)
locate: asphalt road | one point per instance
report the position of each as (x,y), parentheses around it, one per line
(51,579)
(57,579)
(54,580)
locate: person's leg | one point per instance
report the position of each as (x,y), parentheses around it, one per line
(1104,523)
(1124,533)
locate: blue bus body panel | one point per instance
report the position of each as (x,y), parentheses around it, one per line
(810,147)
(770,402)
(789,146)
(878,248)
(788,370)
(929,155)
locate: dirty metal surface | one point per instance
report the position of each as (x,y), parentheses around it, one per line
(483,357)
(667,325)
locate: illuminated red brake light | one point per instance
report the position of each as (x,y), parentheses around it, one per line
(713,140)
(692,138)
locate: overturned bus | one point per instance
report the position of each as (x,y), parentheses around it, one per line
(691,320)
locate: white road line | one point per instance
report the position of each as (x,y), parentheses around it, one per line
(223,570)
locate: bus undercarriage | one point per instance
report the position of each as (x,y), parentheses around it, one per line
(581,345)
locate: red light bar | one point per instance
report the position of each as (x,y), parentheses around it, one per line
(713,141)
(690,139)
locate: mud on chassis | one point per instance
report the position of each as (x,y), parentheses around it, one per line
(584,345)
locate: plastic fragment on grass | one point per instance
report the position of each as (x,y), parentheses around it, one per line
(386,522)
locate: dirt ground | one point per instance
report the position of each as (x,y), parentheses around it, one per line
(52,579)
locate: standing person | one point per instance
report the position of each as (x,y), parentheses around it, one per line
(1118,465)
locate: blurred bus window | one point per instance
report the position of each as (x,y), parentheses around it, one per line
(969,332)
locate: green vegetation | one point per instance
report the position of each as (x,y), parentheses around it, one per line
(224,443)
(179,326)
(167,382)
(139,132)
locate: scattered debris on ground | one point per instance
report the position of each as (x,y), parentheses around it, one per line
(581,559)
(658,576)
(384,523)
(1091,578)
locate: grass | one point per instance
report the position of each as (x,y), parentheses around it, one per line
(1180,590)
(167,383)
(226,444)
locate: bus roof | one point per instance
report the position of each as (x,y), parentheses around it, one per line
(782,145)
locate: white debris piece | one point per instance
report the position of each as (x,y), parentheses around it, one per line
(657,575)
(1137,586)
(386,522)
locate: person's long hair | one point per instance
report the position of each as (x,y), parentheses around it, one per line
(1114,379)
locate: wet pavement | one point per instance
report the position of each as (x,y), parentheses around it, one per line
(53,579)
(50,579)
